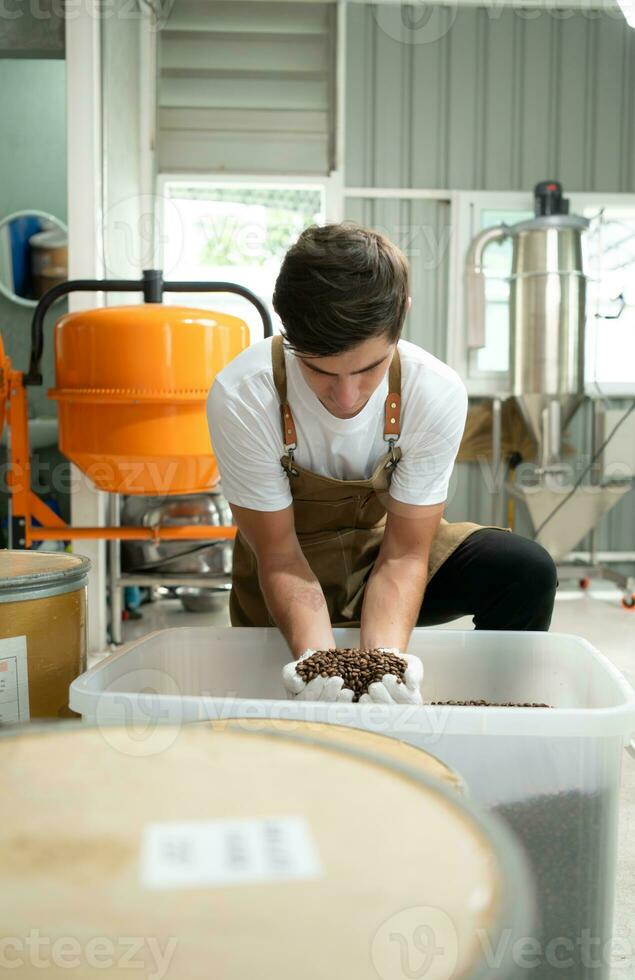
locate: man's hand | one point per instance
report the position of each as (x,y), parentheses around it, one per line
(390,690)
(319,689)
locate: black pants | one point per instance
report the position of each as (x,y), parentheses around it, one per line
(502,580)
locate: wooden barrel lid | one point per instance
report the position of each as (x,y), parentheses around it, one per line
(242,855)
(382,745)
(26,574)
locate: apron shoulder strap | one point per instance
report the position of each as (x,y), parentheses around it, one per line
(392,410)
(279,370)
(289,435)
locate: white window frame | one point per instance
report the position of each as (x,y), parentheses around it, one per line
(465,205)
(331,187)
(579,202)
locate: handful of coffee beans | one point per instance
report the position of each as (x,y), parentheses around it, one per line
(357,668)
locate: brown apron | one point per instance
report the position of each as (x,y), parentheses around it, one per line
(339,523)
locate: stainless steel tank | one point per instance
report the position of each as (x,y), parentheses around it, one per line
(546,312)
(547,321)
(547,316)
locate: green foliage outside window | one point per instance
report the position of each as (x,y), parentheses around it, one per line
(233,237)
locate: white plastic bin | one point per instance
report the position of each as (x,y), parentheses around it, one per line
(554,775)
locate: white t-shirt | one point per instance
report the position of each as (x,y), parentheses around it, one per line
(243,412)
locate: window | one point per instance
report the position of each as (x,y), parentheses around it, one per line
(236,232)
(494,356)
(609,255)
(485,370)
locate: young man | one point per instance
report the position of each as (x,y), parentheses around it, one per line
(335,444)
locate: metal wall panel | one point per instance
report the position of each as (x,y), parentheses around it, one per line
(489,99)
(486,99)
(421,229)
(126,249)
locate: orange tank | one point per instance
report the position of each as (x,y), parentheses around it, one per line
(132,384)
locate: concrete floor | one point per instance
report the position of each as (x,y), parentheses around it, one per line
(595,615)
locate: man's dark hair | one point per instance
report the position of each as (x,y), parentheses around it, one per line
(338,286)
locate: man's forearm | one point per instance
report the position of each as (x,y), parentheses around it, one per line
(296,602)
(392,601)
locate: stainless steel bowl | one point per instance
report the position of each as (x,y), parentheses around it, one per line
(181,558)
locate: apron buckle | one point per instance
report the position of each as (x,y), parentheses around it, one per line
(392,462)
(290,449)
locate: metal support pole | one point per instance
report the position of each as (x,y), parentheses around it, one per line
(594,479)
(114,573)
(497,454)
(9,498)
(544,459)
(555,432)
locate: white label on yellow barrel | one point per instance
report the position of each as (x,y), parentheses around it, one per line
(14,680)
(213,853)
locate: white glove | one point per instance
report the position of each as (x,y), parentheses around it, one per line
(319,689)
(390,690)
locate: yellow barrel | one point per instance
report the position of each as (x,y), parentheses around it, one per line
(132,385)
(42,632)
(240,854)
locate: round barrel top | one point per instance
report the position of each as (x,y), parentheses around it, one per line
(389,748)
(25,574)
(248,854)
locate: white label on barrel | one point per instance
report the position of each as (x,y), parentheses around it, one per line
(213,853)
(14,680)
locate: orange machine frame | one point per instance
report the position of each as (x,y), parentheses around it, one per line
(25,504)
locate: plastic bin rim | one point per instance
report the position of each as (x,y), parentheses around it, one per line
(592,722)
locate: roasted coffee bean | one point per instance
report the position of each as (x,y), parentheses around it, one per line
(493,704)
(569,844)
(357,668)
